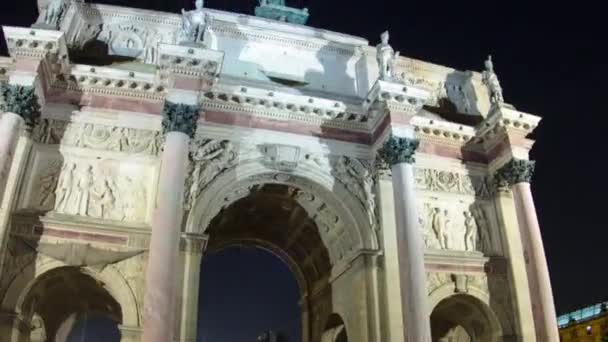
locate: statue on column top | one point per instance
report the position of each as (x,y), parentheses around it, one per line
(194,24)
(491,81)
(386,57)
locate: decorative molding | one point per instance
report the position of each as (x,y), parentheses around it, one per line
(179,117)
(279,105)
(452,182)
(398,150)
(21,100)
(35,43)
(112,82)
(515,171)
(193,243)
(197,62)
(98,137)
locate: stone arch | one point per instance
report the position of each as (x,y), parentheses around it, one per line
(344,231)
(474,302)
(496,310)
(111,280)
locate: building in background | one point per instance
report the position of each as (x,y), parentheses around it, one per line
(133,141)
(589,324)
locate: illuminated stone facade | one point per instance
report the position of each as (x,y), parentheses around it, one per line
(133,141)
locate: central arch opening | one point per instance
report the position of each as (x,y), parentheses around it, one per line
(262,246)
(246,291)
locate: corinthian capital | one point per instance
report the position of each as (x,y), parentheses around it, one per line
(398,150)
(515,171)
(21,100)
(179,117)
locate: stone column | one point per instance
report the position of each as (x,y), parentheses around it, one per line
(399,153)
(179,123)
(517,174)
(192,249)
(21,108)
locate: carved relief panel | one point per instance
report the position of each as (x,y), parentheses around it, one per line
(455,212)
(100,188)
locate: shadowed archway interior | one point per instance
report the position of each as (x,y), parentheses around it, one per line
(462,318)
(64,299)
(271,219)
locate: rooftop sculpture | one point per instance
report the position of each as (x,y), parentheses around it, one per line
(491,81)
(278,10)
(386,58)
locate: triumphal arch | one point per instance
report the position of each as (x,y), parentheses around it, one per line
(132,142)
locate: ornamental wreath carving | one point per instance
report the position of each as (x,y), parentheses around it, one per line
(98,137)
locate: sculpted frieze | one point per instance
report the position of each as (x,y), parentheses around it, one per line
(98,137)
(455,227)
(91,189)
(451,182)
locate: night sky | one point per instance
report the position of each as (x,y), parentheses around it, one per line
(549,58)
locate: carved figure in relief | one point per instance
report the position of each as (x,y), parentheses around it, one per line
(471,232)
(105,199)
(84,185)
(48,186)
(484,228)
(386,58)
(65,187)
(491,81)
(194,24)
(440,224)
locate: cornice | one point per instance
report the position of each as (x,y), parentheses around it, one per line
(504,120)
(35,43)
(283,106)
(95,12)
(113,82)
(197,62)
(442,132)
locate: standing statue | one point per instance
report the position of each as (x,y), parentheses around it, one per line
(386,57)
(53,12)
(491,81)
(471,233)
(439,224)
(194,24)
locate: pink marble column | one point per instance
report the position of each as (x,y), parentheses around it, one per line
(399,153)
(543,308)
(162,270)
(10,128)
(518,173)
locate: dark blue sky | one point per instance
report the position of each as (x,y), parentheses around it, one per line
(551,62)
(245,291)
